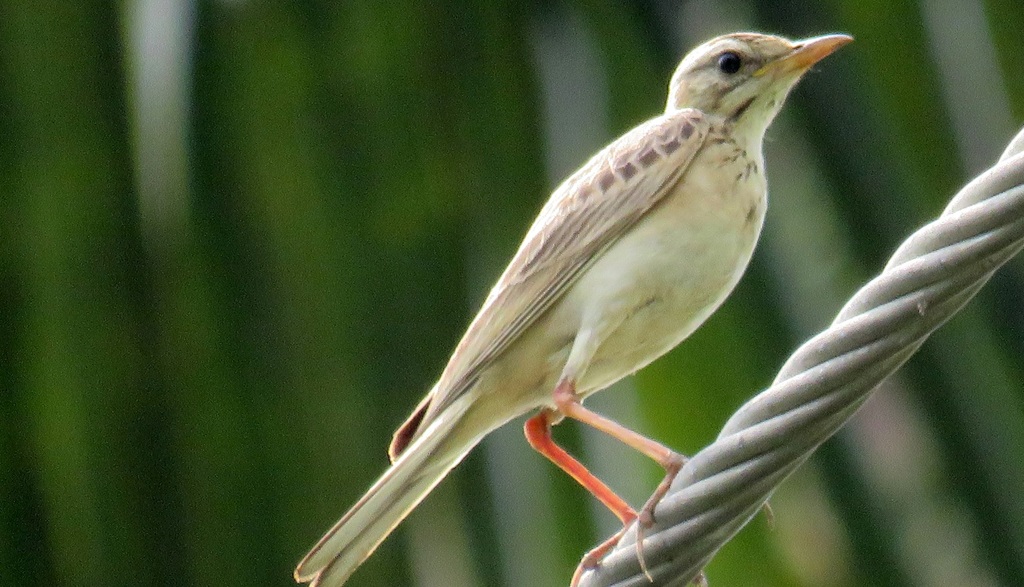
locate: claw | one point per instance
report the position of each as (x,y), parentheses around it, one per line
(593,558)
(769,515)
(645,517)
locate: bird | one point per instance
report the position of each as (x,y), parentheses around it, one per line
(628,257)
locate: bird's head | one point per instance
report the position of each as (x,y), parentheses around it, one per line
(746,76)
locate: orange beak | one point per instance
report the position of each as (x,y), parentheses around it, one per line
(805,54)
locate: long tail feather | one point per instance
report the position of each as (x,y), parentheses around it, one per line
(409,479)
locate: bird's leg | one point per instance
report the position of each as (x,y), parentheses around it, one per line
(568,404)
(538,434)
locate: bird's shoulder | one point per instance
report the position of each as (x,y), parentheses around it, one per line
(663,139)
(630,168)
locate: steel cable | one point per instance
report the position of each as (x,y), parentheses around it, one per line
(928,279)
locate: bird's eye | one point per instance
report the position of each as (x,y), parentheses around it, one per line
(729,62)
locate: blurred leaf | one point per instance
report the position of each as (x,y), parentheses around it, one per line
(195,404)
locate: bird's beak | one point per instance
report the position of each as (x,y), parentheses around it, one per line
(805,53)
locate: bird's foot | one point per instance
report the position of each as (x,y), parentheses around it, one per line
(593,558)
(673,463)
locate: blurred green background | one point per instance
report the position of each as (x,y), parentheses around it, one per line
(239,238)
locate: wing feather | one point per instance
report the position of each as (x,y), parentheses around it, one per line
(584,216)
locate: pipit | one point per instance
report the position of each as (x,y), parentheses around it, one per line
(629,256)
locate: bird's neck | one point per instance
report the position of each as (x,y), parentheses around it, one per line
(747,132)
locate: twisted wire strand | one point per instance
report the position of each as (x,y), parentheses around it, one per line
(929,278)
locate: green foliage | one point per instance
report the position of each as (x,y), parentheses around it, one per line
(219,296)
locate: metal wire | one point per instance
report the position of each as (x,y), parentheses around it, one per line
(927,280)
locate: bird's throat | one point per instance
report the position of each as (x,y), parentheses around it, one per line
(741,109)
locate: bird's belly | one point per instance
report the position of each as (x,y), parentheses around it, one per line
(662,280)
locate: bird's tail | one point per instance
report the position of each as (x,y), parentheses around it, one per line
(409,479)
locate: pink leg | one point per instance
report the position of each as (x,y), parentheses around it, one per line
(569,405)
(538,434)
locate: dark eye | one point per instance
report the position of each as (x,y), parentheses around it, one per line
(729,62)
